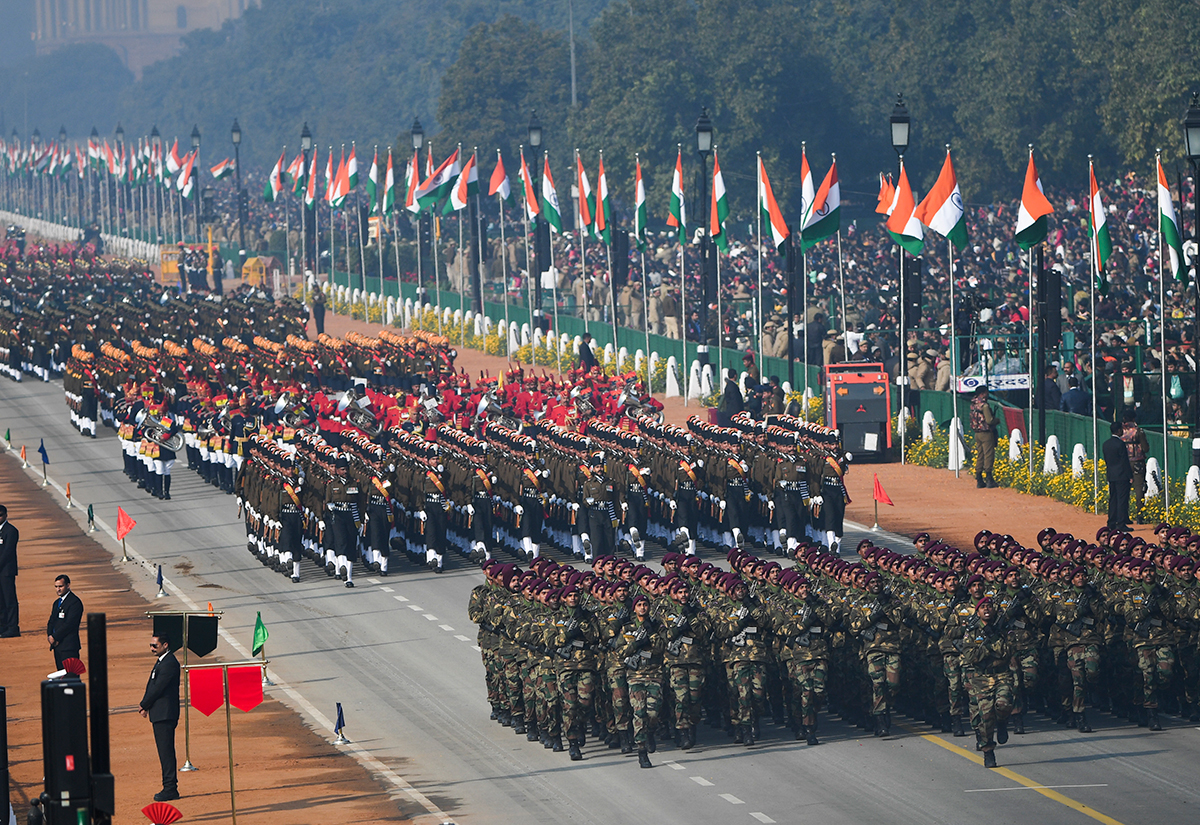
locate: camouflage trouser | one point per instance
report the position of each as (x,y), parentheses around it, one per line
(576,688)
(748,688)
(493,677)
(993,696)
(1025,669)
(513,694)
(955,683)
(547,699)
(883,669)
(808,688)
(1157,665)
(687,686)
(619,683)
(645,695)
(1083,669)
(528,671)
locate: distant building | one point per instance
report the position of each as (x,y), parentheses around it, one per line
(140,31)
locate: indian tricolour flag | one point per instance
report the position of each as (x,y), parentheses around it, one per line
(437,185)
(389,188)
(720,207)
(585,195)
(531,205)
(1168,224)
(373,181)
(1031,214)
(352,170)
(412,180)
(223,169)
(499,183)
(769,209)
(550,208)
(902,224)
(603,228)
(466,185)
(275,181)
(676,209)
(639,207)
(825,217)
(295,171)
(1100,239)
(942,210)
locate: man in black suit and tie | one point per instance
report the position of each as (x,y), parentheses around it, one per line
(587,358)
(62,631)
(1120,478)
(161,706)
(9,613)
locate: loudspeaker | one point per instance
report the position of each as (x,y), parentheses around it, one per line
(65,751)
(913,302)
(620,253)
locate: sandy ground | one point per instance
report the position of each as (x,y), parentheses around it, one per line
(284,772)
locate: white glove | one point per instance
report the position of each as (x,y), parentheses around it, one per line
(644,471)
(817,500)
(771,505)
(700,462)
(421,516)
(518,509)
(722,504)
(590,501)
(624,506)
(673,504)
(470,509)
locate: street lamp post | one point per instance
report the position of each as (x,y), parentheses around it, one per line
(34,140)
(1191,139)
(535,142)
(418,143)
(196,179)
(157,160)
(94,183)
(122,221)
(66,200)
(704,144)
(235,135)
(306,143)
(900,126)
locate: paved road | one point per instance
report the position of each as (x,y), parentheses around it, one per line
(398,653)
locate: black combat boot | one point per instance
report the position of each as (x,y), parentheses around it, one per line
(680,737)
(689,741)
(739,734)
(749,735)
(946,724)
(575,753)
(517,724)
(811,735)
(1142,717)
(887,723)
(1081,723)
(879,724)
(556,744)
(1154,723)
(626,742)
(1019,723)
(651,741)
(644,759)
(1002,732)
(612,740)
(531,733)
(989,759)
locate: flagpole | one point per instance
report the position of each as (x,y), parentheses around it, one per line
(902,420)
(1034,380)
(720,325)
(530,290)
(503,257)
(683,283)
(758,298)
(953,356)
(842,286)
(379,225)
(1095,273)
(804,322)
(579,203)
(1162,330)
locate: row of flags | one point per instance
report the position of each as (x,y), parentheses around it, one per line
(943,212)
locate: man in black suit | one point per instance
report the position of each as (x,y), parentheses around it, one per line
(62,631)
(10,626)
(587,358)
(161,706)
(1120,478)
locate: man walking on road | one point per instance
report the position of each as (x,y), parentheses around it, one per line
(983,423)
(62,631)
(160,705)
(9,611)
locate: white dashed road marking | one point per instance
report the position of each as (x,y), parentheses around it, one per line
(373,581)
(731,799)
(675,766)
(700,780)
(400,598)
(431,617)
(446,628)
(387,590)
(416,607)
(462,638)
(761,817)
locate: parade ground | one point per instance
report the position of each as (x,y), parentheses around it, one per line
(400,656)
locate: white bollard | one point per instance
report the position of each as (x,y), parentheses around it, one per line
(706,380)
(653,368)
(1078,456)
(538,338)
(928,426)
(693,387)
(744,383)
(1050,463)
(1153,477)
(639,358)
(1191,493)
(525,339)
(1014,445)
(672,376)
(622,357)
(564,344)
(478,325)
(786,386)
(609,354)
(513,338)
(957,458)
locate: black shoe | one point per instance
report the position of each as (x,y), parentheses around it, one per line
(739,735)
(651,742)
(349,584)
(612,741)
(1154,724)
(12,634)
(556,744)
(1142,720)
(1002,732)
(626,742)
(979,483)
(989,759)
(330,569)
(295,579)
(887,723)
(748,738)
(518,725)
(991,484)
(811,738)
(644,759)
(574,752)
(879,724)
(531,733)
(1081,723)
(1019,727)
(166,796)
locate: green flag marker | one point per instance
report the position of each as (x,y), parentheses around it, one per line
(260,635)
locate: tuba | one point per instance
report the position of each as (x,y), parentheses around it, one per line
(163,438)
(363,420)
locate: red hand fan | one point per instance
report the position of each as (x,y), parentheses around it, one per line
(75,666)
(162,813)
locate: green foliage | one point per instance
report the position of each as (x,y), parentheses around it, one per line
(76,87)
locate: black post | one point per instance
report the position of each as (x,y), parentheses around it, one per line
(241,206)
(1195,294)
(5,801)
(705,262)
(103,795)
(473,259)
(539,264)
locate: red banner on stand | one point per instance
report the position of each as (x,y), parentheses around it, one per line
(207,690)
(245,687)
